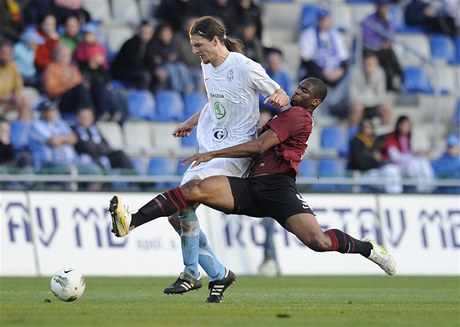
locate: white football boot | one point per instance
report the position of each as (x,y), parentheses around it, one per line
(381,257)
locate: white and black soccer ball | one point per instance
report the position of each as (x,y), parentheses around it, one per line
(68,284)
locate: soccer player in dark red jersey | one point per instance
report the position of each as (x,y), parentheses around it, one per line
(269,190)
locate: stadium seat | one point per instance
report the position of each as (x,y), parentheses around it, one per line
(307,168)
(99,10)
(308,16)
(329,167)
(170,106)
(141,104)
(138,139)
(126,13)
(164,142)
(333,140)
(190,141)
(194,102)
(457,113)
(456,60)
(412,49)
(416,80)
(19,135)
(163,166)
(138,164)
(442,48)
(116,36)
(112,132)
(444,77)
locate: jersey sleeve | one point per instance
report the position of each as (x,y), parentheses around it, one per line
(290,122)
(260,80)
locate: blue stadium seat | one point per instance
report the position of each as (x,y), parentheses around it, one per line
(170,106)
(307,168)
(328,167)
(138,164)
(360,1)
(161,166)
(194,101)
(442,48)
(190,141)
(334,139)
(141,104)
(20,135)
(416,80)
(456,60)
(308,16)
(457,113)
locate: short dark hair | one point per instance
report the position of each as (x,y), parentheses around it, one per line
(317,86)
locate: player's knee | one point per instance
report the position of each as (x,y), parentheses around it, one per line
(192,190)
(318,243)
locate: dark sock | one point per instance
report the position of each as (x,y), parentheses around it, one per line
(163,205)
(344,243)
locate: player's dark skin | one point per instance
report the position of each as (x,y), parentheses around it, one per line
(215,192)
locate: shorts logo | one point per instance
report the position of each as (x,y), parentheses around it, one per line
(230,74)
(304,203)
(219,134)
(219,110)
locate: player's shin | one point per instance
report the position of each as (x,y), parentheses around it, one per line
(344,243)
(190,240)
(163,205)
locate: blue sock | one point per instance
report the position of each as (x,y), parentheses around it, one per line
(190,241)
(208,260)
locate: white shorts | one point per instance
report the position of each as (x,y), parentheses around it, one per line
(237,167)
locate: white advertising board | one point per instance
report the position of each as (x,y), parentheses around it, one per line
(42,232)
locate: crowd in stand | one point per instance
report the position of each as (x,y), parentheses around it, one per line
(55,48)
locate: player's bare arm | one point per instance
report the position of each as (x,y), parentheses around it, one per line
(184,129)
(267,140)
(279,98)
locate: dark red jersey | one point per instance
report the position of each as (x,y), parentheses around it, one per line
(293,127)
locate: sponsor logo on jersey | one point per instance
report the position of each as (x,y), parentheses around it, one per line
(219,110)
(230,75)
(217,95)
(219,134)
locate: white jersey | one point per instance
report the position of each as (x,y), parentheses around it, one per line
(232,113)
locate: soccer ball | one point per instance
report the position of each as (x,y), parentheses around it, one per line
(68,284)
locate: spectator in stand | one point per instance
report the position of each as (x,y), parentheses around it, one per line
(93,146)
(248,9)
(365,156)
(110,104)
(11,22)
(193,63)
(367,91)
(397,150)
(134,62)
(7,152)
(448,164)
(24,57)
(71,36)
(12,98)
(63,9)
(224,10)
(63,81)
(378,33)
(90,43)
(253,48)
(276,72)
(52,144)
(44,52)
(176,12)
(432,16)
(169,72)
(324,55)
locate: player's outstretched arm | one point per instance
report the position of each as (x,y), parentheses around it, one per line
(279,99)
(267,140)
(184,129)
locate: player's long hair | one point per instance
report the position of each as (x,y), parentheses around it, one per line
(208,27)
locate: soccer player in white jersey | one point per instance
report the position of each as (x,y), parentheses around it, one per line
(233,84)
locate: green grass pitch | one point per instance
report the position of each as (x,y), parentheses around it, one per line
(252,301)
